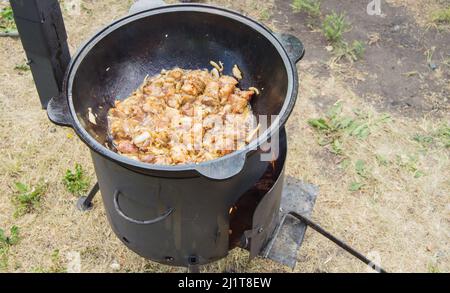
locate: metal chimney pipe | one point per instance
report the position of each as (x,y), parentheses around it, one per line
(41,28)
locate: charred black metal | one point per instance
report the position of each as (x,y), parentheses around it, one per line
(41,28)
(84,203)
(176,220)
(316,227)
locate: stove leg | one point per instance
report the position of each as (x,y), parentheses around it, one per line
(84,203)
(193,269)
(193,266)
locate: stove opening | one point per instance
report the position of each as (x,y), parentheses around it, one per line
(241,213)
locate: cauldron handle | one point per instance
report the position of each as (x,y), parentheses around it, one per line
(223,168)
(292,45)
(139,222)
(58,111)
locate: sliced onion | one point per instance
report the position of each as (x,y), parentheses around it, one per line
(237,72)
(141,138)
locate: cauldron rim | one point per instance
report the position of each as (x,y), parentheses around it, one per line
(85,48)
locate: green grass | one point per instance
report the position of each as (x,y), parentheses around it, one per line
(7,13)
(10,240)
(360,168)
(409,163)
(311,7)
(336,147)
(363,175)
(5,243)
(334,26)
(438,138)
(57,263)
(441,16)
(425,140)
(355,186)
(22,67)
(353,52)
(7,23)
(336,127)
(265,15)
(27,199)
(86,9)
(76,181)
(433,268)
(382,161)
(443,135)
(337,130)
(406,162)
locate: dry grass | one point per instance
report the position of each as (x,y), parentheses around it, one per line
(402,218)
(423,11)
(395,214)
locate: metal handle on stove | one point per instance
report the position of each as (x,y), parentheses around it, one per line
(337,241)
(139,222)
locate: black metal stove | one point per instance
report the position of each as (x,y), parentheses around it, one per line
(258,221)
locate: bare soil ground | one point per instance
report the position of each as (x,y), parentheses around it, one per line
(399,216)
(394,75)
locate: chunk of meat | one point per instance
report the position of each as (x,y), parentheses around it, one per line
(227,86)
(115,113)
(162,123)
(171,113)
(153,105)
(127,147)
(117,128)
(174,101)
(187,99)
(179,153)
(154,90)
(161,138)
(211,120)
(209,101)
(212,90)
(188,109)
(148,158)
(176,73)
(193,85)
(182,116)
(162,160)
(238,104)
(247,95)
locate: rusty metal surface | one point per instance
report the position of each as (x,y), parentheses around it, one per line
(297,197)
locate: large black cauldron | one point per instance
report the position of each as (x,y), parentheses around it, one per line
(157,201)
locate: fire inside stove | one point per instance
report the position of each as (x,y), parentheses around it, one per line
(242,213)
